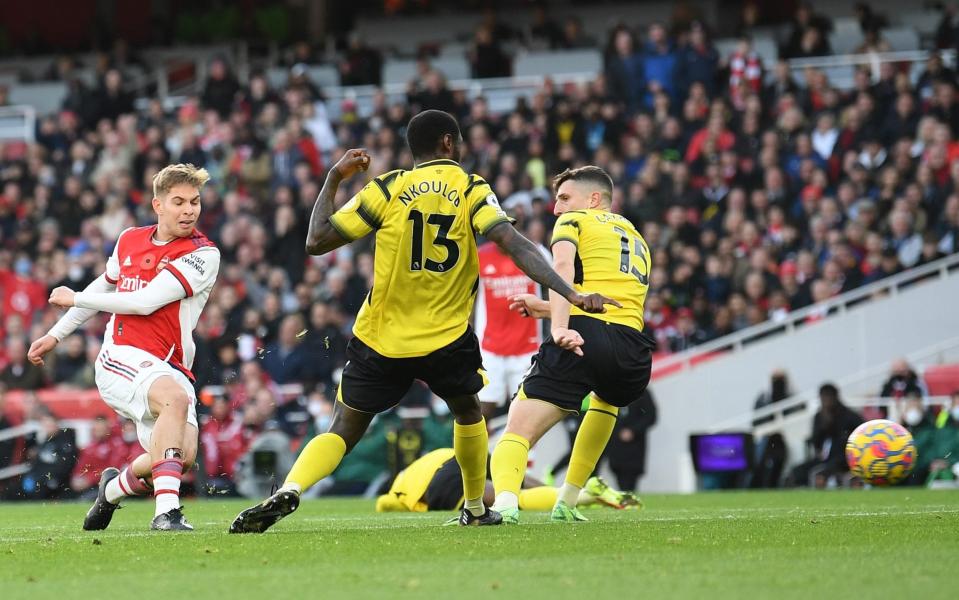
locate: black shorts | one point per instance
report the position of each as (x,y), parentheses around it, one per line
(374,383)
(616,365)
(445,491)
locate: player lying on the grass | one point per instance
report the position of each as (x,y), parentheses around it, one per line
(414,323)
(156,283)
(605,354)
(434,481)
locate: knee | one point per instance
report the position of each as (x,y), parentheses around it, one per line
(466,411)
(188,462)
(178,402)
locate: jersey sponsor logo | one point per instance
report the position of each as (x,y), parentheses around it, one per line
(131,284)
(127,262)
(504,287)
(198,264)
(146,363)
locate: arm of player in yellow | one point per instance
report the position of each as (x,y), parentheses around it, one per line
(564,257)
(322,237)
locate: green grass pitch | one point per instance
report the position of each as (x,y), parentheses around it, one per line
(757,545)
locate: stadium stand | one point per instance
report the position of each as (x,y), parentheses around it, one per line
(762,186)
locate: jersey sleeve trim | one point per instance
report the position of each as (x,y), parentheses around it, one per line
(479,206)
(183,281)
(493,224)
(368,217)
(339,230)
(563,238)
(110,280)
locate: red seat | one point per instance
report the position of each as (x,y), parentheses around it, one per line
(942,380)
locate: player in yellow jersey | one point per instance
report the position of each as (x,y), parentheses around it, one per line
(414,323)
(606,354)
(434,482)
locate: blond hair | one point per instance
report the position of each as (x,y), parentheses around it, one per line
(173,175)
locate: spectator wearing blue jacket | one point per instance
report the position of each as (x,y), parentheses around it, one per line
(698,61)
(624,70)
(659,64)
(287,359)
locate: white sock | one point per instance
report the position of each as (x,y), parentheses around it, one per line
(125,484)
(166,484)
(475,506)
(506,500)
(114,491)
(289,486)
(569,494)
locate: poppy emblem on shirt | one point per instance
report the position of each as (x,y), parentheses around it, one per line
(163,263)
(148,261)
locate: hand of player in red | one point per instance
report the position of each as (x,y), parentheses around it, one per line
(529,305)
(39,348)
(352,162)
(62,297)
(593,303)
(568,339)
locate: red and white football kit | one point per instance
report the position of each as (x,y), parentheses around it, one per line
(507,339)
(156,291)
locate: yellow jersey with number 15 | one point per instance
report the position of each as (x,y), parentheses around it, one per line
(611,259)
(426,270)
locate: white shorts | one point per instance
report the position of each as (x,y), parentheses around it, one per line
(124,375)
(505,374)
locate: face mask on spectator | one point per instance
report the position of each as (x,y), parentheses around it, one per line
(913,416)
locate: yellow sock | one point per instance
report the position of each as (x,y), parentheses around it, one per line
(591,440)
(508,468)
(320,458)
(538,498)
(470,444)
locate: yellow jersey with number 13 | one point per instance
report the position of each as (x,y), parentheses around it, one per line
(426,270)
(611,259)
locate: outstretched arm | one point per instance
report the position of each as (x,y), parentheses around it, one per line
(531,261)
(68,323)
(322,237)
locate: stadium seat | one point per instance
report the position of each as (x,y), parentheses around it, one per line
(45,97)
(570,61)
(942,380)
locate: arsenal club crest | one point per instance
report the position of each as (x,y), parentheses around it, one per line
(163,263)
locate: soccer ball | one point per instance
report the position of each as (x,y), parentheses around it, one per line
(881,452)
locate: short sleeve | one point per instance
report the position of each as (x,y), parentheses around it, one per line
(566,229)
(485,211)
(363,213)
(197,270)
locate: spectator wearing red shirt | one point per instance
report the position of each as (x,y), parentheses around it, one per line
(224,442)
(94,458)
(22,294)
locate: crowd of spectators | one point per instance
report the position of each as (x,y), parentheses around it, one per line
(757,196)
